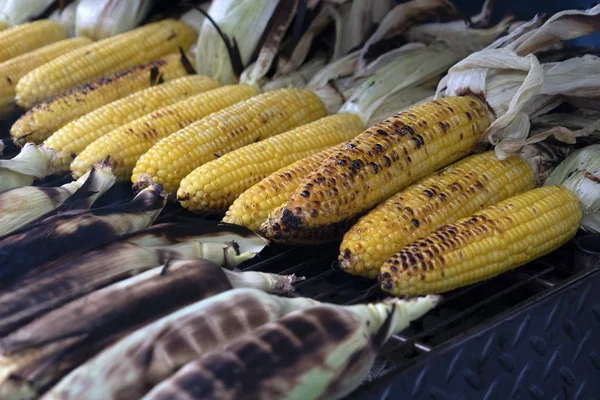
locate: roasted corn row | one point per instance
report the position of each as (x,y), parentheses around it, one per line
(381,161)
(24,38)
(252,208)
(214,186)
(14,69)
(500,237)
(459,190)
(258,118)
(46,118)
(103,58)
(128,143)
(71,139)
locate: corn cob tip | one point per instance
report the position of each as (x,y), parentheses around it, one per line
(141,182)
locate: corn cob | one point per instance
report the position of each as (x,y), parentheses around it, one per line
(252,208)
(381,161)
(258,118)
(76,231)
(3,26)
(79,275)
(323,352)
(103,58)
(24,38)
(71,139)
(122,372)
(458,191)
(213,186)
(14,69)
(500,237)
(46,118)
(128,143)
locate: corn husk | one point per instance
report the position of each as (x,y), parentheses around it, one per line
(299,78)
(15,12)
(100,19)
(580,173)
(66,17)
(22,206)
(243,21)
(131,367)
(225,245)
(343,67)
(400,101)
(330,368)
(21,170)
(76,231)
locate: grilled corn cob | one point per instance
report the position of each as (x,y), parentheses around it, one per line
(127,144)
(500,237)
(71,139)
(46,118)
(322,352)
(14,69)
(381,161)
(252,208)
(258,118)
(456,192)
(24,38)
(3,26)
(213,186)
(103,58)
(122,372)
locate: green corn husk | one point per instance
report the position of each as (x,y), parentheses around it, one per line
(137,301)
(225,245)
(135,364)
(241,20)
(580,173)
(31,163)
(76,231)
(323,352)
(20,207)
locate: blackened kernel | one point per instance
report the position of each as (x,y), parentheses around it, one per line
(387,160)
(450,109)
(409,159)
(469,116)
(351,145)
(394,268)
(276,226)
(355,164)
(378,147)
(314,213)
(347,253)
(429,193)
(386,275)
(422,277)
(415,222)
(381,132)
(305,193)
(395,261)
(320,179)
(341,162)
(443,126)
(335,190)
(409,129)
(375,167)
(442,196)
(298,210)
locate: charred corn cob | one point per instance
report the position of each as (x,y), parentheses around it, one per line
(121,372)
(14,69)
(24,38)
(322,352)
(213,186)
(46,118)
(258,118)
(103,58)
(456,192)
(71,139)
(500,237)
(381,161)
(127,144)
(252,207)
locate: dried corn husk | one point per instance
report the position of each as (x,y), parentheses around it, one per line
(79,275)
(299,78)
(74,232)
(66,17)
(131,367)
(100,19)
(32,162)
(15,12)
(580,172)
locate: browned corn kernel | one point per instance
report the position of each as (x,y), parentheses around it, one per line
(501,237)
(384,159)
(459,190)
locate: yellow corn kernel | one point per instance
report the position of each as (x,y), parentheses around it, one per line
(71,139)
(213,186)
(46,118)
(258,118)
(3,26)
(126,144)
(24,38)
(14,69)
(459,190)
(103,58)
(252,208)
(500,237)
(381,161)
